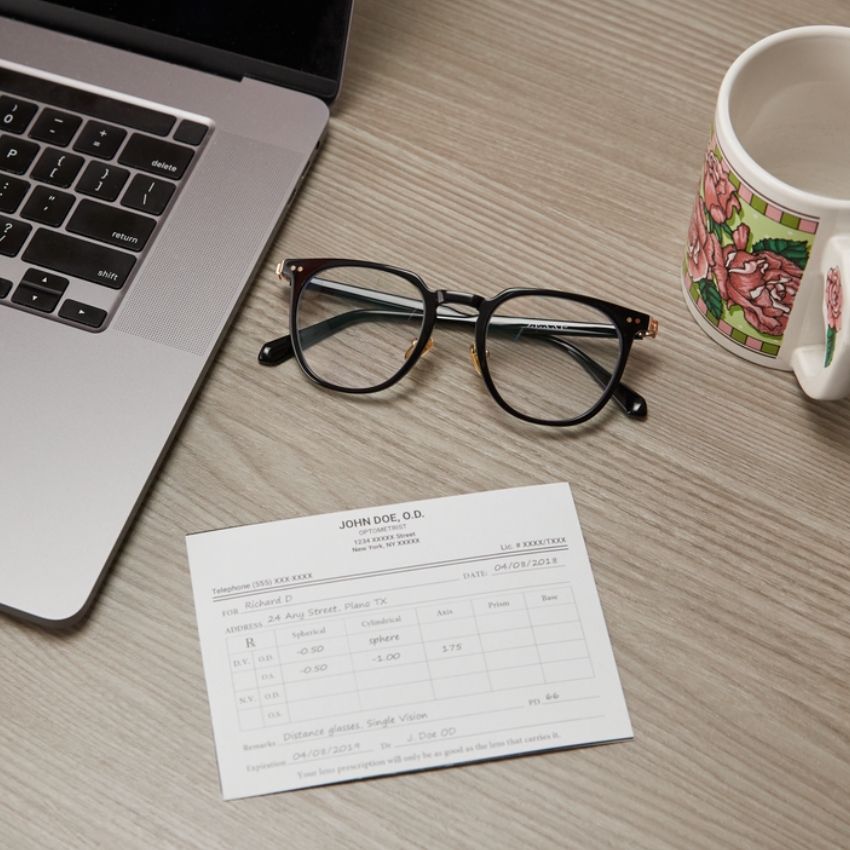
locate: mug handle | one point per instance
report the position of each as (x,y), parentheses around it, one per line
(824,370)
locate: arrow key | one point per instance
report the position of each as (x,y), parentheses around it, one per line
(44,300)
(40,290)
(45,280)
(84,314)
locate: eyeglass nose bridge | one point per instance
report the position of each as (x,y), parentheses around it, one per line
(468,299)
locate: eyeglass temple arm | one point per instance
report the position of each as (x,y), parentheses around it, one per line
(631,403)
(279,350)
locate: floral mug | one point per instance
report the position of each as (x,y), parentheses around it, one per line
(768,253)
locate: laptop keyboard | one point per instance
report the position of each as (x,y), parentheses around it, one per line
(86,182)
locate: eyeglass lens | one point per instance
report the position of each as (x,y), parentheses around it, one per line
(351,340)
(550,358)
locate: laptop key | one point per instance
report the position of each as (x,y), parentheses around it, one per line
(57,167)
(190,132)
(101,140)
(36,298)
(5,287)
(156,156)
(15,115)
(83,314)
(45,280)
(102,181)
(47,206)
(13,234)
(55,127)
(78,258)
(40,290)
(113,226)
(16,155)
(148,194)
(12,192)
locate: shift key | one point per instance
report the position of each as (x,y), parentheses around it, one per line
(107,224)
(156,156)
(79,258)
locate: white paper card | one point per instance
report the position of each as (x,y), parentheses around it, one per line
(400,638)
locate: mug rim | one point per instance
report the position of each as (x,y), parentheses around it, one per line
(732,145)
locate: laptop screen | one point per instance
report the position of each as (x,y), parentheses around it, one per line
(297,43)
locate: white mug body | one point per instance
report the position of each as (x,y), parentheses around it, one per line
(768,253)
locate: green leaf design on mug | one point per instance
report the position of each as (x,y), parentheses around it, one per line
(794,250)
(830,345)
(711,296)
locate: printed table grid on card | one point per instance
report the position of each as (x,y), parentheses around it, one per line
(400,653)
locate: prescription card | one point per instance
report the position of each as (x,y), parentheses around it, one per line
(404,637)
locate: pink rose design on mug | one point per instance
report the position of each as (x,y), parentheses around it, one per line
(834,299)
(703,251)
(721,199)
(834,306)
(763,283)
(744,260)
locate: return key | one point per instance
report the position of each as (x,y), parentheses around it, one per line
(111,225)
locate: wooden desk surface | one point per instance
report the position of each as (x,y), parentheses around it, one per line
(485,144)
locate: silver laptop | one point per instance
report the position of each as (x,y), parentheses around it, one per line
(148,153)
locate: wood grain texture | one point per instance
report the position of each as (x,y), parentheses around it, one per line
(485,144)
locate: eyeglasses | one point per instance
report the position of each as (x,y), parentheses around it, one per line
(547,357)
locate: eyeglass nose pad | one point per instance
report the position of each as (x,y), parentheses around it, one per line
(428,346)
(474,355)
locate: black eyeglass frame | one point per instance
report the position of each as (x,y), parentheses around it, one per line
(629,324)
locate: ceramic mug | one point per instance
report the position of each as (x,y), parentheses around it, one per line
(768,253)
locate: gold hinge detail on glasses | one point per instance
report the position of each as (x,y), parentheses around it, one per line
(651,332)
(279,269)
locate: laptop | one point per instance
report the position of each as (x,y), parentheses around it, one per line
(148,153)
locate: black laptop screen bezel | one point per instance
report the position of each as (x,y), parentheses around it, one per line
(273,57)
